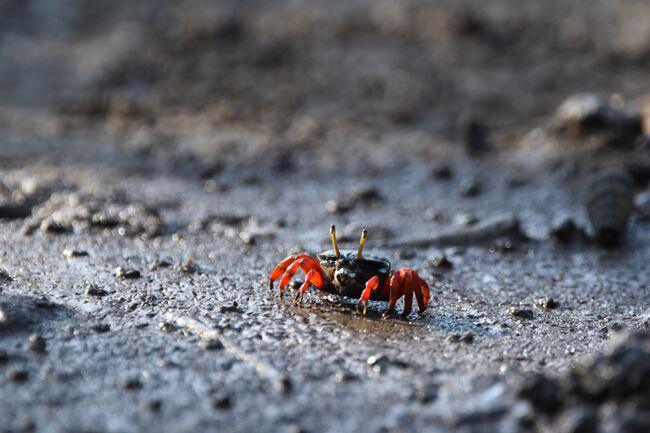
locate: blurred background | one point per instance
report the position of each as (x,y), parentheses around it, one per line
(327,83)
(159,157)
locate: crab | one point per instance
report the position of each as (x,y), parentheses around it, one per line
(348,273)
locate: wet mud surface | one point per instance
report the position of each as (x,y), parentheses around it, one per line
(148,192)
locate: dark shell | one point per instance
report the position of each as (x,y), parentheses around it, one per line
(360,272)
(609,201)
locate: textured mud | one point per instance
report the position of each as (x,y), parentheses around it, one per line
(157,161)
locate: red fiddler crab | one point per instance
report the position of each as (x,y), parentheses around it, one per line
(349,273)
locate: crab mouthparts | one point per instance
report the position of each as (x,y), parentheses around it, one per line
(344,277)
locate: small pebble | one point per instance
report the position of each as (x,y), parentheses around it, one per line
(221,402)
(188,267)
(548,303)
(151,405)
(54,227)
(211,345)
(160,264)
(93,290)
(36,343)
(502,246)
(131,383)
(338,206)
(167,327)
(466,337)
(100,328)
(442,172)
(69,253)
(521,313)
(127,274)
(440,263)
(345,376)
(17,375)
(232,308)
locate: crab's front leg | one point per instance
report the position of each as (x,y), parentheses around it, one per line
(371,286)
(288,267)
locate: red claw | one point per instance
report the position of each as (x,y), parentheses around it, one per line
(288,267)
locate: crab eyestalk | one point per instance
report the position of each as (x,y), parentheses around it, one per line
(335,244)
(362,242)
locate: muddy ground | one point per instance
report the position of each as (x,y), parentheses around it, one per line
(194,145)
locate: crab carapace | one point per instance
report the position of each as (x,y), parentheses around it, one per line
(349,273)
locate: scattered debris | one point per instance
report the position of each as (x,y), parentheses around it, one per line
(127,274)
(502,245)
(442,171)
(521,313)
(343,376)
(93,290)
(585,114)
(211,345)
(17,375)
(132,383)
(53,226)
(67,211)
(100,328)
(167,327)
(36,343)
(439,263)
(466,337)
(188,267)
(548,303)
(160,264)
(70,253)
(221,402)
(609,201)
(232,308)
(466,219)
(381,363)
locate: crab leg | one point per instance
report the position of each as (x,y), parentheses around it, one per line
(312,277)
(394,294)
(288,275)
(288,267)
(422,294)
(371,287)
